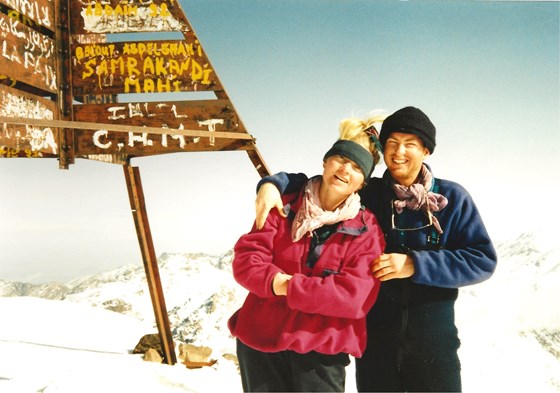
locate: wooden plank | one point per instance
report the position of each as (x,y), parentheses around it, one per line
(27,55)
(138,144)
(39,11)
(133,141)
(116,16)
(143,144)
(140,215)
(26,139)
(208,115)
(141,67)
(219,115)
(123,129)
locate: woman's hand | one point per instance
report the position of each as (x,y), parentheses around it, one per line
(280,284)
(268,197)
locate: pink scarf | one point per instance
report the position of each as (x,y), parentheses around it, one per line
(311,215)
(417,197)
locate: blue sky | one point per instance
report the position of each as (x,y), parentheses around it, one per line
(486,73)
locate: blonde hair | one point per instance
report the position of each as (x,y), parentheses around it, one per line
(353,129)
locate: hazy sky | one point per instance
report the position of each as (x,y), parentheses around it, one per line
(486,73)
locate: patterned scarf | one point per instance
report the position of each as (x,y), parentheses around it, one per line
(417,197)
(311,215)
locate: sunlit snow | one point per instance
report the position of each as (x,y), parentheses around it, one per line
(74,345)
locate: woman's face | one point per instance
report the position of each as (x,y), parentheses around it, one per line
(404,154)
(342,175)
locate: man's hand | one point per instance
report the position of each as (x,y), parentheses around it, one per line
(280,284)
(390,266)
(268,197)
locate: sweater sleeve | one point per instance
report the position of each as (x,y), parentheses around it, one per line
(252,265)
(285,182)
(350,293)
(468,255)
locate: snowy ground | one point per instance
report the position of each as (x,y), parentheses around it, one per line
(78,346)
(59,346)
(53,346)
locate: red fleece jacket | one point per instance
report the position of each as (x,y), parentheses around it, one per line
(326,305)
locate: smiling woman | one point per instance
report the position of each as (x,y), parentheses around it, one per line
(341,177)
(309,278)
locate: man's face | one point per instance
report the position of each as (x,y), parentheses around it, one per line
(404,154)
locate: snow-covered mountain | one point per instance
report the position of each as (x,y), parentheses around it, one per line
(200,294)
(93,323)
(523,293)
(509,325)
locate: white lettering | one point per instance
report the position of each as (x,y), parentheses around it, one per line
(211,123)
(137,138)
(97,135)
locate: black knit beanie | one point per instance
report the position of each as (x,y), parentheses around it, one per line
(355,152)
(410,120)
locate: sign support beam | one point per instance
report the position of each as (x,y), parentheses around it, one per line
(138,208)
(65,135)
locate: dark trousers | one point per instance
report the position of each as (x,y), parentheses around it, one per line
(398,369)
(289,371)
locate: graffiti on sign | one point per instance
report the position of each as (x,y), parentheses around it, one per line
(86,77)
(141,67)
(206,115)
(26,54)
(135,144)
(124,16)
(30,139)
(8,152)
(100,99)
(39,11)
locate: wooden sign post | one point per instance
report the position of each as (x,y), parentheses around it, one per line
(62,83)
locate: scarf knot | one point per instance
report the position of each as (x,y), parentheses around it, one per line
(417,197)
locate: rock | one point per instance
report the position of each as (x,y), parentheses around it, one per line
(152,355)
(194,356)
(231,357)
(194,353)
(117,305)
(149,341)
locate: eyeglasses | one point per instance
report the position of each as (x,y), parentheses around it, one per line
(394,226)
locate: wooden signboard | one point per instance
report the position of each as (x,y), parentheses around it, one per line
(205,115)
(27,55)
(116,16)
(26,140)
(40,12)
(141,67)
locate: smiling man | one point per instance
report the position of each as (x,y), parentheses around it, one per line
(436,242)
